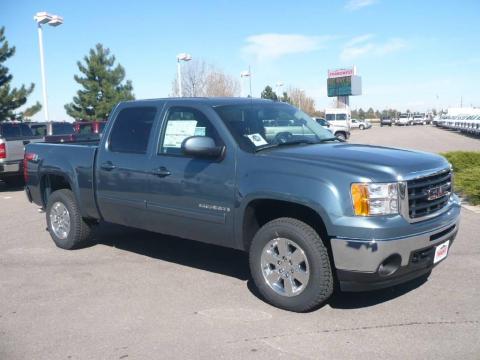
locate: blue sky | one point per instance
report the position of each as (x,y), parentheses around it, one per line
(411,54)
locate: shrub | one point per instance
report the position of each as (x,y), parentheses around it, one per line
(466,166)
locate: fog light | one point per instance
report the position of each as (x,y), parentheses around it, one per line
(390,265)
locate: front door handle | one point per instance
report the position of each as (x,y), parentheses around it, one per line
(161,172)
(26,142)
(107,166)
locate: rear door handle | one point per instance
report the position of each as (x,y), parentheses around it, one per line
(161,172)
(107,166)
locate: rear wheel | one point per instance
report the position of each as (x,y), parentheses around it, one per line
(290,265)
(65,224)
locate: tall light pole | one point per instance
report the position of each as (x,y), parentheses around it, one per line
(247,74)
(279,84)
(52,20)
(181,57)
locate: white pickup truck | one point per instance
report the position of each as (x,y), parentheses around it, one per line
(340,131)
(13,138)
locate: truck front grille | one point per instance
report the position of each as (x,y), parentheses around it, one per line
(429,194)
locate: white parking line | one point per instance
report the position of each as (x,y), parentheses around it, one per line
(7,197)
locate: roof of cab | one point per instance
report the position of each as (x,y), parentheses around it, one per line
(210,101)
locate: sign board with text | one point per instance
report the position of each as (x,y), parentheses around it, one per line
(344,86)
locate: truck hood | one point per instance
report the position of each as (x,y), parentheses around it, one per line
(374,162)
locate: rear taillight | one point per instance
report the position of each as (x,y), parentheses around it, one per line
(3,151)
(26,158)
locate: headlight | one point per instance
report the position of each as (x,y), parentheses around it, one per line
(375,198)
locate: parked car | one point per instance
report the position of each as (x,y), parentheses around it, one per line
(360,124)
(404,119)
(259,176)
(419,119)
(386,121)
(338,117)
(340,131)
(89,127)
(13,138)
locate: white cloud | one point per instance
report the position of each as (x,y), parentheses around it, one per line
(263,47)
(363,45)
(354,5)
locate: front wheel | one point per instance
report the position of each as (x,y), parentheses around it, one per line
(341,136)
(361,127)
(290,265)
(65,223)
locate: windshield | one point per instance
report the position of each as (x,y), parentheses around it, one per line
(257,126)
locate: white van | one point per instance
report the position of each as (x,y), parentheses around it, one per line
(339,117)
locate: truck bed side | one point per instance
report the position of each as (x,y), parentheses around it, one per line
(52,166)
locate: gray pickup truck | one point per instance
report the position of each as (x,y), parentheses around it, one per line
(13,138)
(311,210)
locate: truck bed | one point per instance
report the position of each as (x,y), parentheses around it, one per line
(75,160)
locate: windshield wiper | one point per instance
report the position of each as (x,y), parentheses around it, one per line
(294,142)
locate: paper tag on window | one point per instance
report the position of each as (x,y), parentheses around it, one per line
(257,139)
(177,131)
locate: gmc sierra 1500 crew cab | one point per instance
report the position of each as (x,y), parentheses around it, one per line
(259,176)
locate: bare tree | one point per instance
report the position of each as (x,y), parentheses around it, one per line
(300,99)
(202,79)
(221,84)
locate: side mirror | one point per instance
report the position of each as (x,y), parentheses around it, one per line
(201,146)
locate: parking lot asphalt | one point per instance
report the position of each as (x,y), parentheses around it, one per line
(138,295)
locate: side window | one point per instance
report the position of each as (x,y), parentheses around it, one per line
(181,123)
(131,130)
(330,117)
(10,131)
(26,131)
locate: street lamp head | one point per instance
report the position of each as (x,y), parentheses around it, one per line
(245,73)
(184,57)
(56,20)
(42,17)
(279,83)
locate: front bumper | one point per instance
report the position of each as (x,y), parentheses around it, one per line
(358,262)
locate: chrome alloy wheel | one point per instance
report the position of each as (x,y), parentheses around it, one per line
(60,220)
(285,267)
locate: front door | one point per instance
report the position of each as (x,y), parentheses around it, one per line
(191,197)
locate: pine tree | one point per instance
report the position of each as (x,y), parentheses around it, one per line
(268,93)
(102,84)
(12,98)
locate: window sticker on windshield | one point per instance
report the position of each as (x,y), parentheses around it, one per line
(200,131)
(177,131)
(257,139)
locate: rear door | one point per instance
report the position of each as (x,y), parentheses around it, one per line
(122,165)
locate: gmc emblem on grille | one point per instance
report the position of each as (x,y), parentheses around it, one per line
(437,192)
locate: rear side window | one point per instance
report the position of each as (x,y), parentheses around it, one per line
(12,131)
(25,130)
(131,130)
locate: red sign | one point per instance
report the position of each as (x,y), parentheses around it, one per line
(340,73)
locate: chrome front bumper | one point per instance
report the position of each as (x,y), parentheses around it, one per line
(366,255)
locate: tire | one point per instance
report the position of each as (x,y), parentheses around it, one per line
(361,127)
(341,136)
(78,232)
(308,295)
